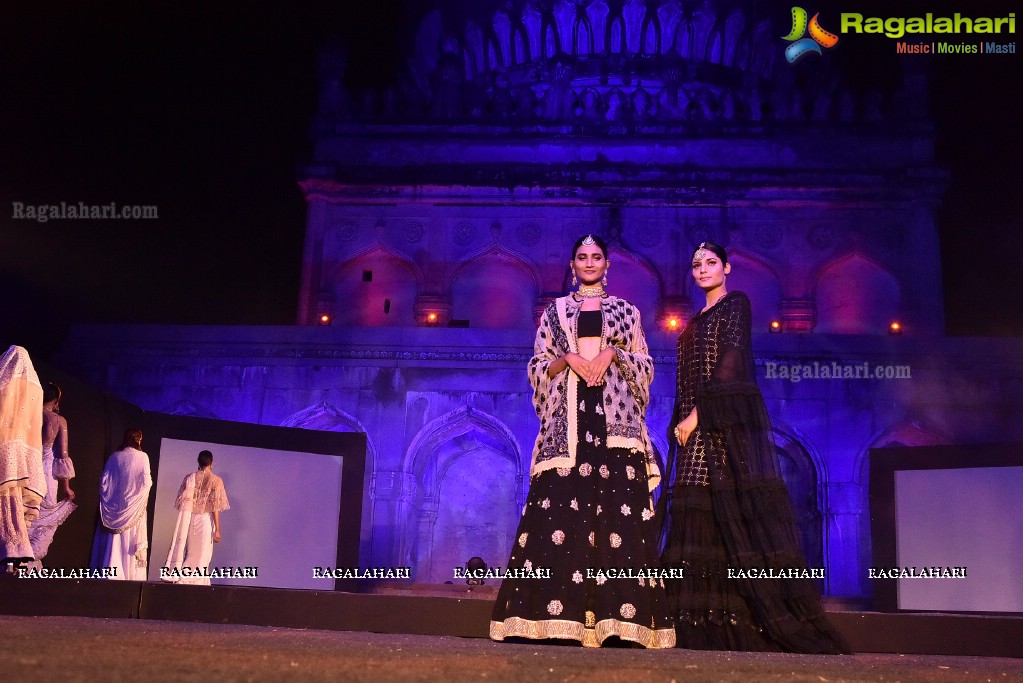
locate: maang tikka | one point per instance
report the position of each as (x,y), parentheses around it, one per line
(701,252)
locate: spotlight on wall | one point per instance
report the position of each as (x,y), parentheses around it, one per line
(432,318)
(673,323)
(475,566)
(895,328)
(775,326)
(324,318)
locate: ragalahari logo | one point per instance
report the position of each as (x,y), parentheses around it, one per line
(802,46)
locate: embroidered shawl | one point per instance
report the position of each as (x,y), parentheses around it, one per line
(21,416)
(202,493)
(124,489)
(626,389)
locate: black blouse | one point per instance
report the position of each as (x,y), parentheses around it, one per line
(591,324)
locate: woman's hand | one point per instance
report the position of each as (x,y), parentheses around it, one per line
(68,493)
(579,365)
(599,365)
(216,536)
(686,427)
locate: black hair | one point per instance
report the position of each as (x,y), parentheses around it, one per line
(205,458)
(596,240)
(132,438)
(51,392)
(714,247)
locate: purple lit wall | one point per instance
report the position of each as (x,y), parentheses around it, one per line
(440,220)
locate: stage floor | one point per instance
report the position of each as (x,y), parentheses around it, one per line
(79,648)
(429,610)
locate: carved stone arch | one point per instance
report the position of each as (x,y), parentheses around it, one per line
(386,300)
(549,47)
(529,19)
(669,15)
(470,490)
(651,22)
(806,478)
(520,43)
(635,278)
(907,432)
(758,279)
(326,417)
(855,294)
(474,50)
(597,12)
(493,54)
(582,30)
(190,409)
(323,417)
(903,433)
(716,41)
(684,36)
(703,23)
(616,34)
(734,35)
(495,273)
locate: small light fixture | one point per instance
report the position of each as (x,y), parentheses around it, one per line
(673,323)
(432,318)
(475,566)
(895,328)
(324,318)
(775,326)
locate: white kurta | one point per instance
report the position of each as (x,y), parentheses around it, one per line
(122,539)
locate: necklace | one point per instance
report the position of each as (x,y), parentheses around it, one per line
(590,291)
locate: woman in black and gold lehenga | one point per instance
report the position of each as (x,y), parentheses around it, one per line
(589,513)
(727,505)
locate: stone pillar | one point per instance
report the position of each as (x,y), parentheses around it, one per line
(844,549)
(392,494)
(422,563)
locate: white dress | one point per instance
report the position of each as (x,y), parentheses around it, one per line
(51,513)
(191,549)
(122,539)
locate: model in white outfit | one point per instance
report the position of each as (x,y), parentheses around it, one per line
(122,540)
(200,501)
(58,470)
(22,483)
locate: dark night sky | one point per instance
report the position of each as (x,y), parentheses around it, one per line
(203,109)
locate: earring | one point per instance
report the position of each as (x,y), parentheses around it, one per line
(603,280)
(575,282)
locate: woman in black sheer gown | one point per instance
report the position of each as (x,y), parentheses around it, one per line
(727,505)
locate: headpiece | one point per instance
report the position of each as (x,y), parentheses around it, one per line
(588,241)
(701,252)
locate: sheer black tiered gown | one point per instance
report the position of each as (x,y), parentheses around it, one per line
(727,505)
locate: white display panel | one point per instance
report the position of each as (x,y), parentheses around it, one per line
(283,517)
(970,517)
